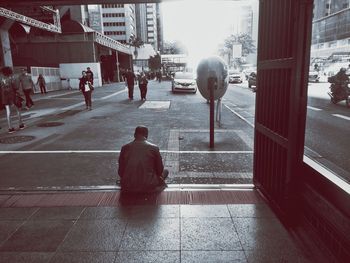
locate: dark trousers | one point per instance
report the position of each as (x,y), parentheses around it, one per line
(42,88)
(131,91)
(143,91)
(87,97)
(29,101)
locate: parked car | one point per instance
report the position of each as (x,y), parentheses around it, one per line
(314,76)
(184,82)
(234,77)
(252,81)
(248,71)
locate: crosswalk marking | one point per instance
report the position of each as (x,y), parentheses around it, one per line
(114,94)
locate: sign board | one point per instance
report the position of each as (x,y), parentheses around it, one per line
(212,68)
(237,50)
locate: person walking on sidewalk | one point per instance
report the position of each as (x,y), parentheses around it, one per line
(9,95)
(42,84)
(90,75)
(86,88)
(141,168)
(27,85)
(130,81)
(143,85)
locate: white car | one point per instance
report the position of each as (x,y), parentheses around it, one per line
(235,77)
(184,82)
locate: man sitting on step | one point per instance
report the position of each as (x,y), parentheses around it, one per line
(141,167)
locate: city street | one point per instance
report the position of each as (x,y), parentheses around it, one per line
(65,146)
(328,131)
(327,126)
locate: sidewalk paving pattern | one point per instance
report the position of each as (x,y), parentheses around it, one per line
(99,227)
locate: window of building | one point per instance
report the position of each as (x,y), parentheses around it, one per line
(112,5)
(114,24)
(108,33)
(332,44)
(113,15)
(345,5)
(328,34)
(327,5)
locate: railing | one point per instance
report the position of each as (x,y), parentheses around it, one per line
(56,27)
(109,42)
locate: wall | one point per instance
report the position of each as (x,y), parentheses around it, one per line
(325,209)
(52,54)
(51,75)
(72,71)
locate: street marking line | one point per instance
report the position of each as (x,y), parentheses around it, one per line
(313,108)
(61,98)
(239,116)
(114,94)
(228,102)
(73,106)
(155,104)
(118,151)
(342,116)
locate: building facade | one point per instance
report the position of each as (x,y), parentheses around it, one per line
(330,28)
(247,22)
(119,21)
(147,26)
(160,34)
(95,18)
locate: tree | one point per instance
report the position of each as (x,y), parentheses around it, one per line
(136,43)
(154,62)
(175,47)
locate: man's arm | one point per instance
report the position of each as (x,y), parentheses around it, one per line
(159,167)
(121,163)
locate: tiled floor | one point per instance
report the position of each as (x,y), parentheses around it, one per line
(165,233)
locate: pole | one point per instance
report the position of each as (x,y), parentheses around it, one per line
(218,111)
(211,84)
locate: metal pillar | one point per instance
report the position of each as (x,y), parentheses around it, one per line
(5,44)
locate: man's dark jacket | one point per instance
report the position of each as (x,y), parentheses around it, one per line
(141,167)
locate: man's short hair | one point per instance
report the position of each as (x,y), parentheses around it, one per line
(7,71)
(142,131)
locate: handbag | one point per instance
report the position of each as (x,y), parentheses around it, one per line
(18,101)
(88,86)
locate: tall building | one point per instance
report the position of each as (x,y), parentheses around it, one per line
(119,21)
(247,22)
(330,27)
(160,34)
(95,18)
(147,30)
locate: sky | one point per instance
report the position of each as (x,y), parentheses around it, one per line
(201,25)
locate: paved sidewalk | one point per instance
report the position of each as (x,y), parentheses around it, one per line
(175,226)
